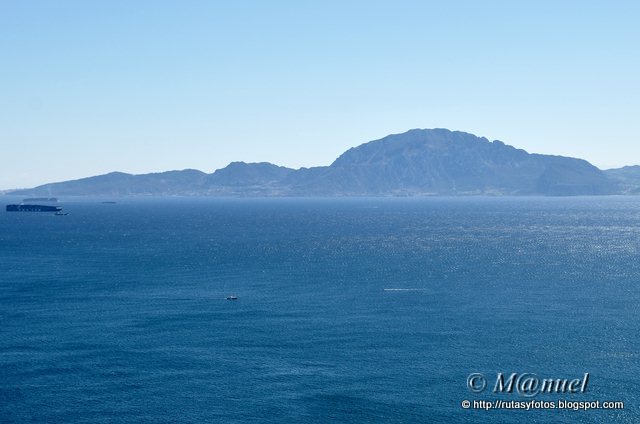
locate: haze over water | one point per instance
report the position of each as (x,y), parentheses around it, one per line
(117,312)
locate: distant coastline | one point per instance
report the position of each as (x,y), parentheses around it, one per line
(419,162)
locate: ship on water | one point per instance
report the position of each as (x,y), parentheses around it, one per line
(33,208)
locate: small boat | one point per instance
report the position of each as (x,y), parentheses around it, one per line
(232,297)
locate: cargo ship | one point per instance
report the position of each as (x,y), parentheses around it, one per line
(33,208)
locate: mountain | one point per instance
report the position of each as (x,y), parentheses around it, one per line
(415,163)
(188,181)
(627,178)
(445,162)
(248,179)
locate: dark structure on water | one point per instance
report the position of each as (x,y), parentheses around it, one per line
(33,208)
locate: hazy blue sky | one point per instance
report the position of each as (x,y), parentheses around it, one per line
(88,87)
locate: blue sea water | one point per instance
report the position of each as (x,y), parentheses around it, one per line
(116,313)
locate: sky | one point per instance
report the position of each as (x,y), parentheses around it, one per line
(90,87)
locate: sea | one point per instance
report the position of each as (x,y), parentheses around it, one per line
(355,310)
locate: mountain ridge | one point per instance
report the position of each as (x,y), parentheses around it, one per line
(419,162)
